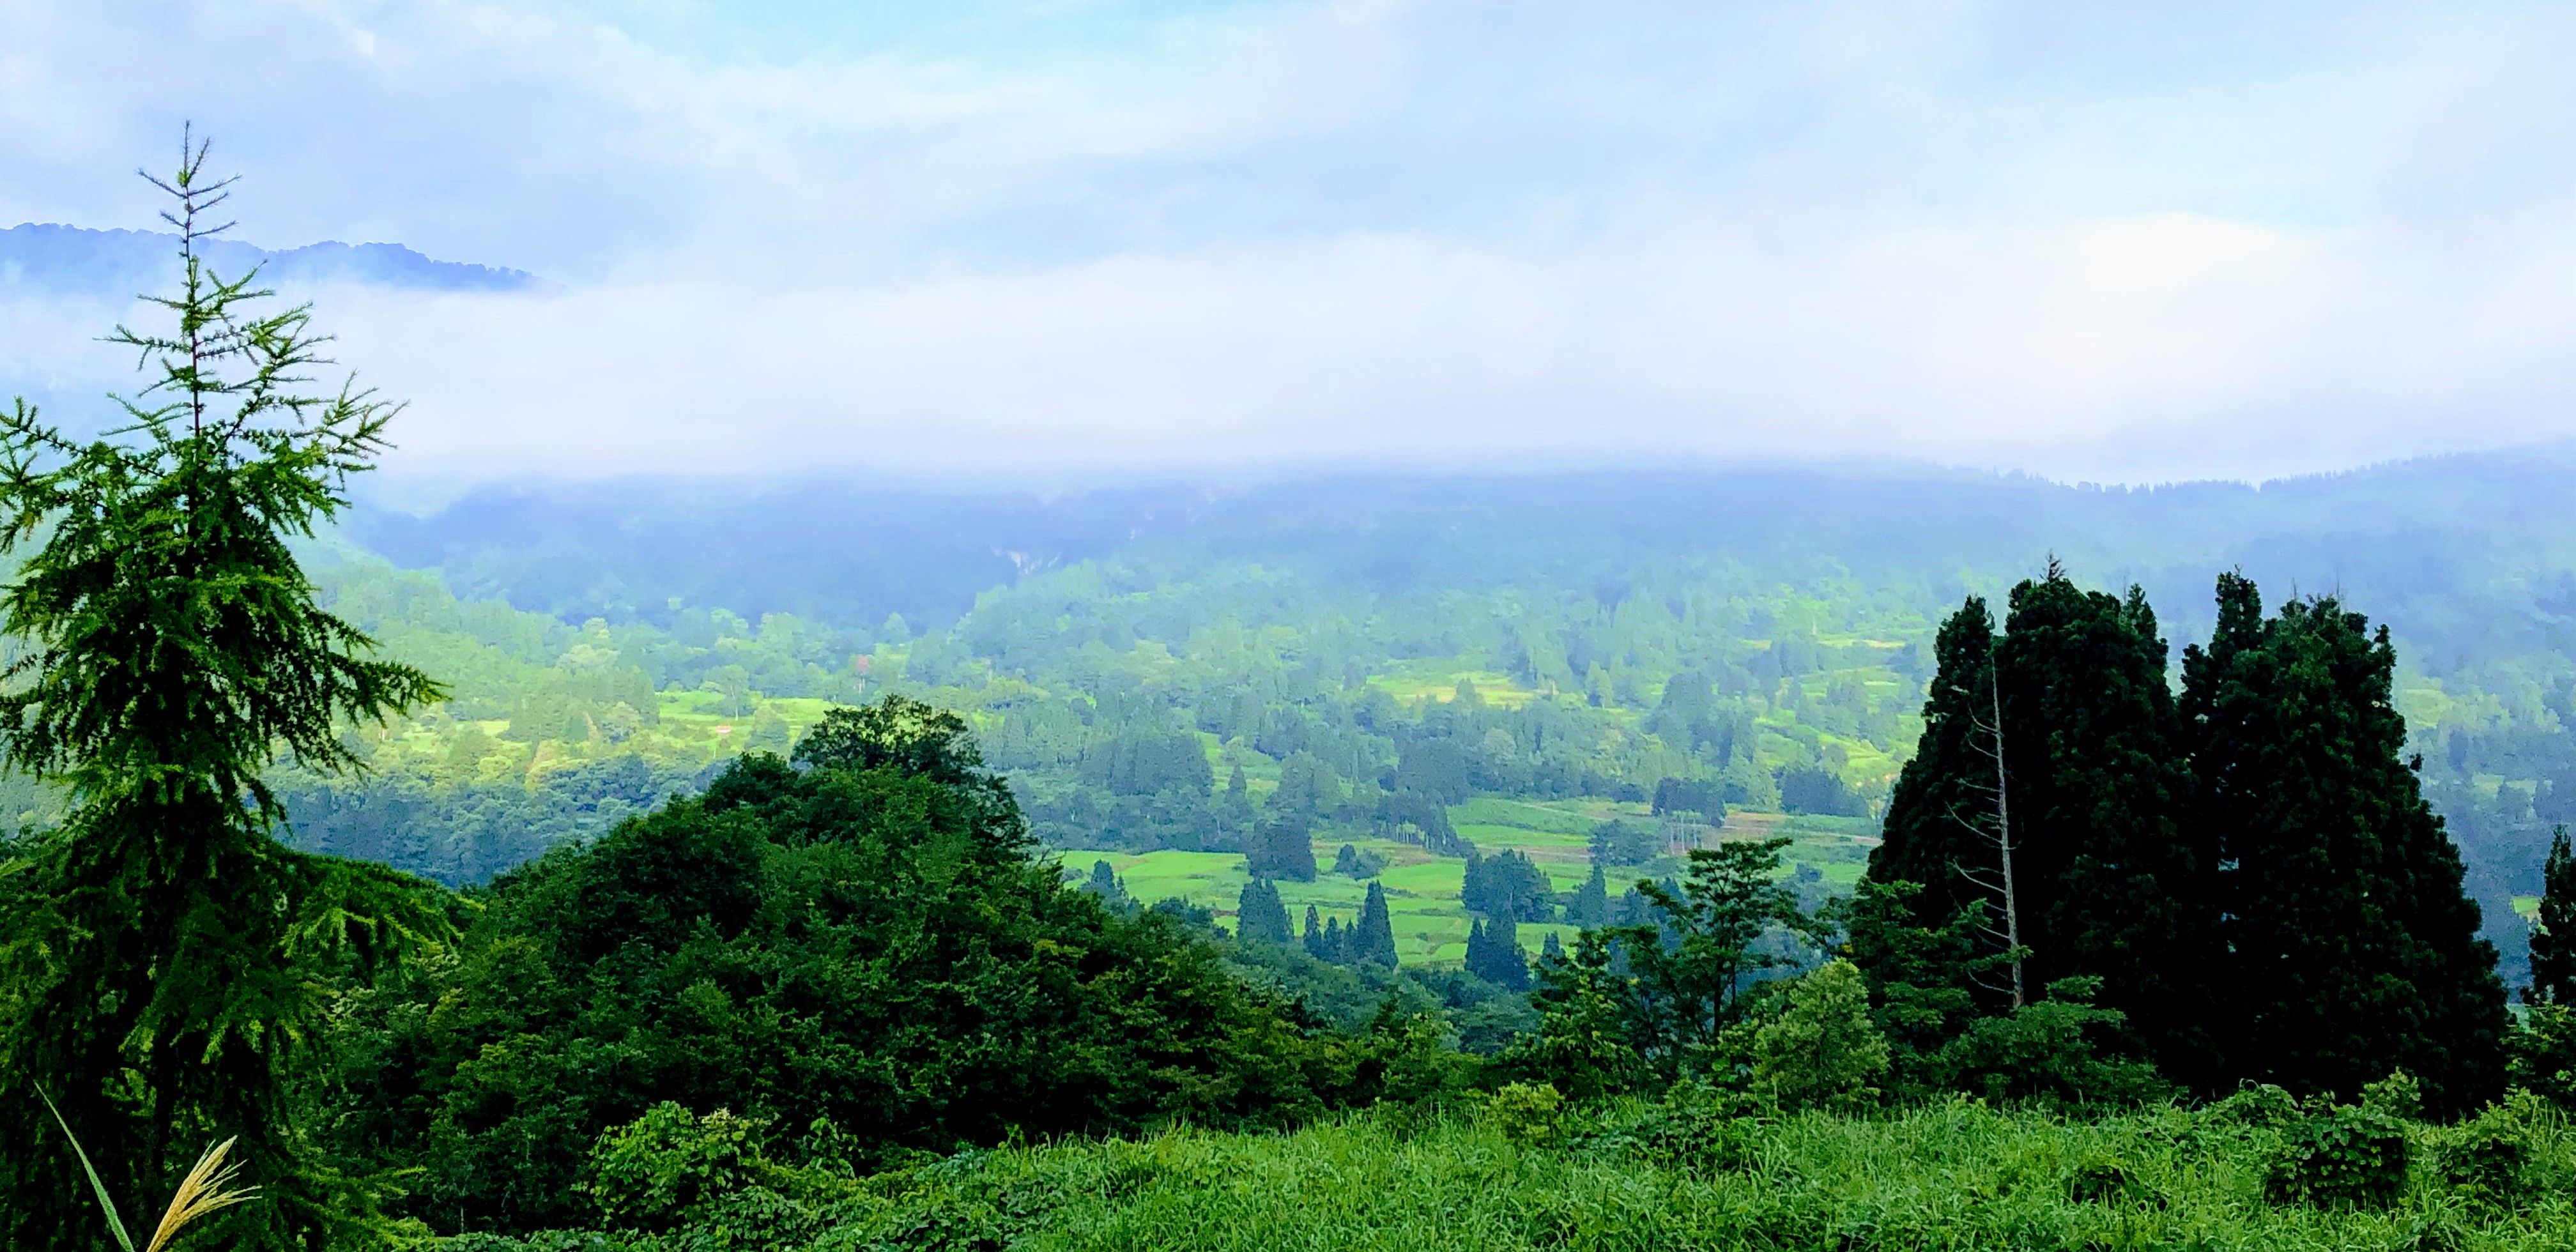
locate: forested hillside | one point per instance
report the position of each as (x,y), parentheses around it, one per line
(1152,667)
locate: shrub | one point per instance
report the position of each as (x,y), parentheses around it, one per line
(1696,1127)
(1527,1114)
(2055,1048)
(2542,1054)
(2257,1104)
(2397,1095)
(2340,1157)
(1822,1051)
(2488,1158)
(652,1172)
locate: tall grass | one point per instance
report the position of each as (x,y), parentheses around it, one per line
(1953,1177)
(207,1189)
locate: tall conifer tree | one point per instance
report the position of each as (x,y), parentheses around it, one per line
(2352,950)
(2046,795)
(2553,941)
(1373,940)
(1935,833)
(2111,885)
(1259,916)
(163,958)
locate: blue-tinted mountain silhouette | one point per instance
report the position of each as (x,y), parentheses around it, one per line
(46,259)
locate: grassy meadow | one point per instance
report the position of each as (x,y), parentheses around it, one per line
(1422,890)
(1956,1176)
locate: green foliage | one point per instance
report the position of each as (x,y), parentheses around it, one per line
(662,1168)
(1822,1051)
(865,941)
(1935,836)
(2311,930)
(1350,862)
(2541,1053)
(1494,953)
(164,961)
(1696,1127)
(1373,941)
(1624,842)
(2258,1105)
(2114,882)
(2346,1155)
(2356,949)
(2491,1159)
(1508,887)
(1695,1172)
(1685,994)
(1527,1114)
(2553,941)
(1259,917)
(1583,1046)
(2060,1048)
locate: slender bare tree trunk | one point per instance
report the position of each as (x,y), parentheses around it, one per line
(2003,832)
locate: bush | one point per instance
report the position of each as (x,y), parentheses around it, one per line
(2259,1105)
(2340,1157)
(651,1173)
(2397,1095)
(1526,1114)
(2488,1158)
(1696,1127)
(1822,1051)
(2542,1054)
(2051,1050)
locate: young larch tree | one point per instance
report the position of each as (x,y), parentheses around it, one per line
(163,957)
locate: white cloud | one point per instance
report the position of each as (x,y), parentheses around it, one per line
(2126,348)
(1436,232)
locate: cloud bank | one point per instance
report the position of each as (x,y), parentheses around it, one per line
(1071,240)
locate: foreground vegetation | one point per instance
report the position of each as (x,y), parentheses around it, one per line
(1950,1175)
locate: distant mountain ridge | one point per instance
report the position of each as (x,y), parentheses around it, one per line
(47,259)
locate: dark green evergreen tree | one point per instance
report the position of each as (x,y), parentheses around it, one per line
(1282,848)
(2110,885)
(2553,941)
(2044,806)
(163,958)
(1939,832)
(1259,916)
(1104,884)
(1591,903)
(1495,954)
(1373,940)
(1314,939)
(2352,950)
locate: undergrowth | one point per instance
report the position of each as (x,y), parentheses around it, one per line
(1692,1173)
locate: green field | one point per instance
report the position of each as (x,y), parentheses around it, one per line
(1422,890)
(1438,679)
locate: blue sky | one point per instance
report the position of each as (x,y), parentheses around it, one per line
(2123,242)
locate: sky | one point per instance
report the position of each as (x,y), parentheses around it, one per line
(1053,239)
